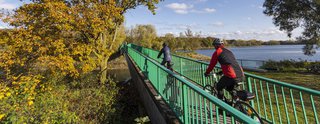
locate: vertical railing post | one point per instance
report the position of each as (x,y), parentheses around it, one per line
(285,105)
(158,78)
(294,106)
(270,102)
(303,108)
(185,104)
(249,87)
(181,70)
(204,83)
(257,95)
(277,103)
(314,110)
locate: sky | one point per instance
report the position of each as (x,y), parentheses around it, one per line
(226,19)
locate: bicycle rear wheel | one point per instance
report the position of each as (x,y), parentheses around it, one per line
(248,110)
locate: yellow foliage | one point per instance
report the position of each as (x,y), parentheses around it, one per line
(1,116)
(1,96)
(8,94)
(56,38)
(30,103)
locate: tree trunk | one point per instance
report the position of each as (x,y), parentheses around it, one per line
(103,59)
(114,36)
(103,71)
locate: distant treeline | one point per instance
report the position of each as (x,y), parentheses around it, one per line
(145,35)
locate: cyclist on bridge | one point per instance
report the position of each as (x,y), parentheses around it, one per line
(232,72)
(167,57)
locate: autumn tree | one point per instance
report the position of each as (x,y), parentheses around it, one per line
(67,36)
(143,35)
(291,14)
(56,42)
(170,39)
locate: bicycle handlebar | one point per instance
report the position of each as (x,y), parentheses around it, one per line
(220,73)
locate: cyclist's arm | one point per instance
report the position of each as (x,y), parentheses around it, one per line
(213,61)
(161,51)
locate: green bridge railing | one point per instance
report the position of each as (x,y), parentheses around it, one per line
(189,102)
(276,101)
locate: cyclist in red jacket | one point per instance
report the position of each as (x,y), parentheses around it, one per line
(232,72)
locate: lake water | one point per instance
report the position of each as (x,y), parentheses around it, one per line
(277,52)
(119,75)
(259,54)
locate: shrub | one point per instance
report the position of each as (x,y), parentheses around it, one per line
(58,103)
(314,67)
(292,65)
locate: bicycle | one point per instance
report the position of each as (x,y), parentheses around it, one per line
(239,99)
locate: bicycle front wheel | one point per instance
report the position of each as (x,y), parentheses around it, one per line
(248,110)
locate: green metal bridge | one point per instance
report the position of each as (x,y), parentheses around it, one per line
(182,91)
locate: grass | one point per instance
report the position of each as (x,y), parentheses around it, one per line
(279,110)
(302,79)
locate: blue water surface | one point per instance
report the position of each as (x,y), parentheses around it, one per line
(264,53)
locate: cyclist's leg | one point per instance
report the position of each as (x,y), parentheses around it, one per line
(232,83)
(169,65)
(221,85)
(163,62)
(225,82)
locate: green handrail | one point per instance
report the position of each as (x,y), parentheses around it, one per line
(290,102)
(188,101)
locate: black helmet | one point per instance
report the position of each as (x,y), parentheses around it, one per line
(217,41)
(164,44)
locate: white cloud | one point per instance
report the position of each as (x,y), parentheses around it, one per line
(181,11)
(182,8)
(260,7)
(257,6)
(266,34)
(206,10)
(169,27)
(179,6)
(185,26)
(218,24)
(209,10)
(197,1)
(5,5)
(238,32)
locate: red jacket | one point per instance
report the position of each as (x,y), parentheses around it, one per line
(229,64)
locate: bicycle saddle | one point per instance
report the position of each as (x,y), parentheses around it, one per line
(245,95)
